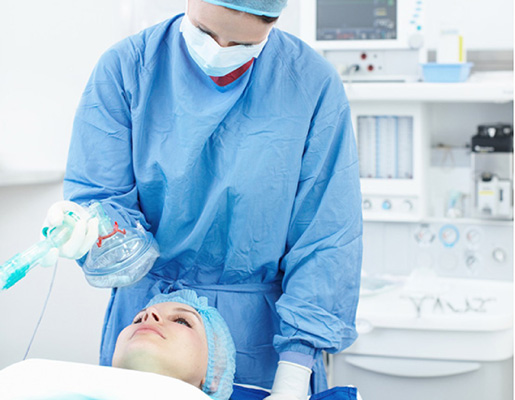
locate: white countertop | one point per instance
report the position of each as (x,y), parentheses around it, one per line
(480,87)
(435,303)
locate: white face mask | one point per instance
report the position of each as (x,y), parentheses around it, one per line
(212,58)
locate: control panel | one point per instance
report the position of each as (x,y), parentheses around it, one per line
(463,250)
(449,248)
(387,208)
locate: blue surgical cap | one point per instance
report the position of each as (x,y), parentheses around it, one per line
(221,352)
(270,8)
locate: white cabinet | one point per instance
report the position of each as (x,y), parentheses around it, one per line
(423,246)
(445,117)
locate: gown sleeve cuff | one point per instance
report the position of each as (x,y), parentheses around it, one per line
(298,358)
(124,217)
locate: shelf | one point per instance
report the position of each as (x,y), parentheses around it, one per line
(17,178)
(468,221)
(443,221)
(481,87)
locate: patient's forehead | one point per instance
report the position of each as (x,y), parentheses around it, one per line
(171,305)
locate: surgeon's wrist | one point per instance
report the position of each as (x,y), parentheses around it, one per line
(296,357)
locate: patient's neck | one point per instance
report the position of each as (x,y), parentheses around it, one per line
(144,363)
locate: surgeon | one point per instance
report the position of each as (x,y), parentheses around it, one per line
(231,142)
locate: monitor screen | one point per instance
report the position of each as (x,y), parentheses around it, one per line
(356,20)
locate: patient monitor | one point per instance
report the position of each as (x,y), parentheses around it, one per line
(367,40)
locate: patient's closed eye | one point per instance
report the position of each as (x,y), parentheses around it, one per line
(181,321)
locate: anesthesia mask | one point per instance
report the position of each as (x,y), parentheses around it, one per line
(120,257)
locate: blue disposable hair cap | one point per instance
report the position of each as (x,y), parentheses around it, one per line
(269,8)
(221,363)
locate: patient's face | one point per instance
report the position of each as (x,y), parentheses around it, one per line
(168,339)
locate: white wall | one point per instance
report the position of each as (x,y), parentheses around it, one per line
(47,51)
(485,25)
(71,327)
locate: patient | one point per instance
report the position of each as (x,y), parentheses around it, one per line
(180,336)
(177,335)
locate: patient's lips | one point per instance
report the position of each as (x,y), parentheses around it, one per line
(146,328)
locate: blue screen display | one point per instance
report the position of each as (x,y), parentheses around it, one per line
(356,19)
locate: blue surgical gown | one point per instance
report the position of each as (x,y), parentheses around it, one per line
(251,191)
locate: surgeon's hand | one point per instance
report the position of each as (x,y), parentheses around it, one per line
(84,234)
(291,382)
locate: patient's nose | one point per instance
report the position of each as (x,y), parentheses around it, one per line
(152,315)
